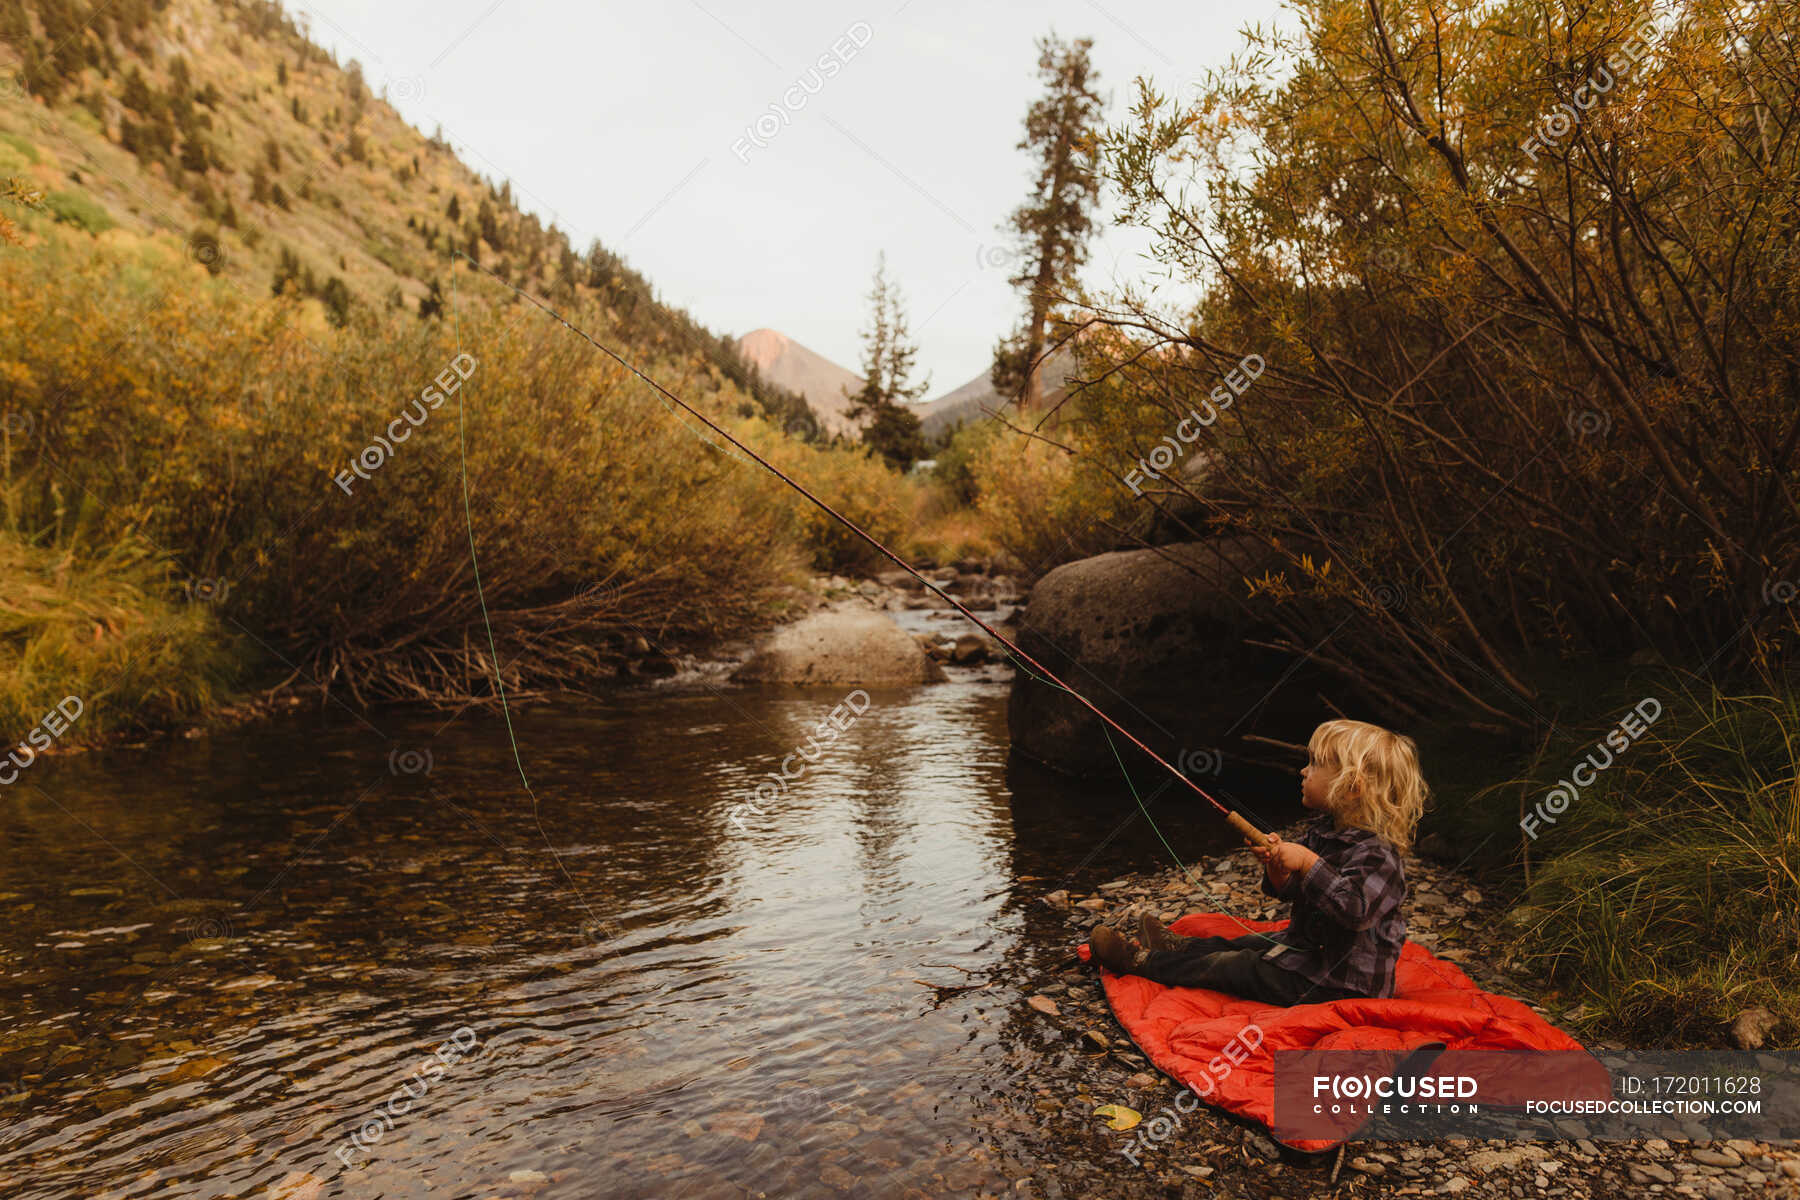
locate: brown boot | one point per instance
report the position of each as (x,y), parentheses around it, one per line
(1113,952)
(1156,936)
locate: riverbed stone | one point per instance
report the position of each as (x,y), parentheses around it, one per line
(1649,1172)
(1159,634)
(838,648)
(1751,1028)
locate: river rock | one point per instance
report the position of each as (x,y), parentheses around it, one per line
(969,649)
(1752,1028)
(841,647)
(1156,639)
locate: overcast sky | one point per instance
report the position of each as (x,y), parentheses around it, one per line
(637,124)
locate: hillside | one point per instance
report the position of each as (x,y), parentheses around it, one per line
(234,457)
(219,123)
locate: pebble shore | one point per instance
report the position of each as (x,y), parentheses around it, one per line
(1211,1154)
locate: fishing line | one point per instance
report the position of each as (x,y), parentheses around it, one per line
(1250,832)
(1145,810)
(462,445)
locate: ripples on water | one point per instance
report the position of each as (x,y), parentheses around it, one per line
(223,956)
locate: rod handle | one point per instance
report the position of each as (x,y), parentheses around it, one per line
(1252,834)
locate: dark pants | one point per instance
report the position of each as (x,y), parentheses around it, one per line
(1236,965)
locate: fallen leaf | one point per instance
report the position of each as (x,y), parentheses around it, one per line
(1117,1116)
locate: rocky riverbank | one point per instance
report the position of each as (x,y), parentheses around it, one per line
(1209,1154)
(944,635)
(640,658)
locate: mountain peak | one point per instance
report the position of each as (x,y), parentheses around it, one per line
(786,363)
(764,346)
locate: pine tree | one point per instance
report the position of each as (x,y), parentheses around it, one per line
(432,305)
(1052,227)
(15,22)
(488,224)
(889,429)
(335,296)
(195,155)
(287,270)
(137,95)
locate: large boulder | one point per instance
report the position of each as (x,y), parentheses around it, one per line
(841,647)
(1157,640)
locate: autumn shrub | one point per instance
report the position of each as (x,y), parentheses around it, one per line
(224,429)
(956,462)
(79,210)
(1043,504)
(1530,393)
(944,528)
(854,482)
(110,626)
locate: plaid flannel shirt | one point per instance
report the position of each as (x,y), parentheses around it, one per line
(1347,927)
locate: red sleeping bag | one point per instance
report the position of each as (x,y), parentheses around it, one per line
(1185,1031)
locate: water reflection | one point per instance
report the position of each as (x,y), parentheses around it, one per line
(224,957)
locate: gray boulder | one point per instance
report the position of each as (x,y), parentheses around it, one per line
(1156,639)
(841,647)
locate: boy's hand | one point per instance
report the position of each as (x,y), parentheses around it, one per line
(1280,859)
(1275,871)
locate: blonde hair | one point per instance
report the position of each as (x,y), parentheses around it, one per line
(1383,768)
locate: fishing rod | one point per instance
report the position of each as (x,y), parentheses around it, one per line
(1238,821)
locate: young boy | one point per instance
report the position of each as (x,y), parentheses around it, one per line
(1342,872)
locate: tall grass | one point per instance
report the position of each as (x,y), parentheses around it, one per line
(103,626)
(1669,897)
